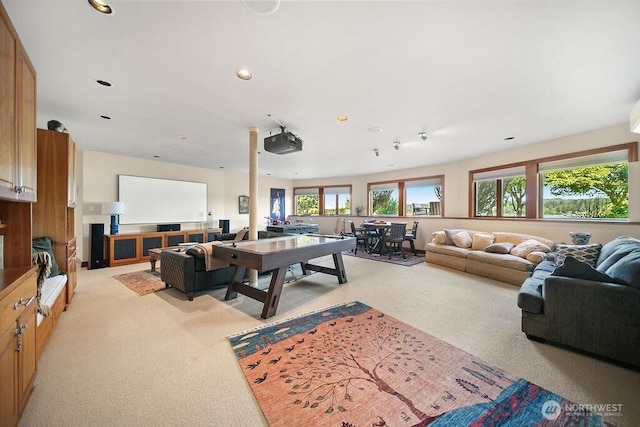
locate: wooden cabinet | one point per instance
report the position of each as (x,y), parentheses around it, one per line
(53,213)
(134,247)
(18,364)
(17,117)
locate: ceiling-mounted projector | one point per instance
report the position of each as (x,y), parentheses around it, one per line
(283,143)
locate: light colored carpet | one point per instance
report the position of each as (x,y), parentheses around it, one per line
(118,359)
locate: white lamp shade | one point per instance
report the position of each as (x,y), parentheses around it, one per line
(634,120)
(112,208)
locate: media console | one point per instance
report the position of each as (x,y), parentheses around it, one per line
(132,248)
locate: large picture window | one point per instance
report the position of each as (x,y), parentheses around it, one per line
(329,200)
(417,196)
(591,184)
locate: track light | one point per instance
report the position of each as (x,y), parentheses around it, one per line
(423,135)
(375,150)
(396,145)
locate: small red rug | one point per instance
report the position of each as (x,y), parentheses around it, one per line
(141,282)
(351,366)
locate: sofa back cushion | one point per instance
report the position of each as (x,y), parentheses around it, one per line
(584,253)
(517,238)
(620,259)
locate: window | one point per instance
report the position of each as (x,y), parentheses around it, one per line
(590,184)
(307,201)
(337,201)
(586,187)
(416,196)
(384,199)
(500,192)
(334,200)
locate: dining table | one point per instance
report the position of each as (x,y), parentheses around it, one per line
(377,230)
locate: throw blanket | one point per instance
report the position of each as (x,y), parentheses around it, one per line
(44,260)
(209,261)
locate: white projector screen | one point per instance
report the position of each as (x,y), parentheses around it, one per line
(161,201)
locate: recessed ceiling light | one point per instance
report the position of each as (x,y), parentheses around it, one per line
(263,7)
(509,138)
(103,82)
(101,6)
(106,117)
(342,118)
(244,74)
(374,129)
(182,137)
(156,157)
(221,167)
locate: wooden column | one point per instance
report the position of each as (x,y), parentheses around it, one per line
(253,193)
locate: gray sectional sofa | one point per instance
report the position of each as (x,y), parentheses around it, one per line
(482,257)
(594,307)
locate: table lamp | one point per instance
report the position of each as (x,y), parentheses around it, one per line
(114,209)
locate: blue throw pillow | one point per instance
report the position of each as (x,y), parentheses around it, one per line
(627,269)
(581,270)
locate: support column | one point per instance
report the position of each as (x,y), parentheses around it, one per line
(253,193)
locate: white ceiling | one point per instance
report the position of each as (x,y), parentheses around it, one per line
(469,74)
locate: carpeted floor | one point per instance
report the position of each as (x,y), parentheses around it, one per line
(353,365)
(117,359)
(408,261)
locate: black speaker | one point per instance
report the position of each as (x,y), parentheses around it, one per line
(168,227)
(224,224)
(96,240)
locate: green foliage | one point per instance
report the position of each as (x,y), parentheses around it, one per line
(593,183)
(486,199)
(384,204)
(307,204)
(513,199)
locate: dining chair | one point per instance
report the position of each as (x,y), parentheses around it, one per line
(396,237)
(360,235)
(411,236)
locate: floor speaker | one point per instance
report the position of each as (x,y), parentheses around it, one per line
(96,239)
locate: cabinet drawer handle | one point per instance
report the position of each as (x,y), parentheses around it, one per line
(21,302)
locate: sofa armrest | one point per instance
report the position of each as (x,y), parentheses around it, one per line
(177,269)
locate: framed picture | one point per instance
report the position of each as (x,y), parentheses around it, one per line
(277,205)
(243,204)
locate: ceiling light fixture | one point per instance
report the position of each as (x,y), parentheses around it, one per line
(342,118)
(182,137)
(375,150)
(106,117)
(374,129)
(396,145)
(423,136)
(634,119)
(509,138)
(244,74)
(101,6)
(103,83)
(263,7)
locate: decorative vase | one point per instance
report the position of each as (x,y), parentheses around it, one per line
(580,237)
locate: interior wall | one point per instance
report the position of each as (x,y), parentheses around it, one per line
(97,177)
(98,182)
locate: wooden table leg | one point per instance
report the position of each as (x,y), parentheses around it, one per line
(341,273)
(238,276)
(273,294)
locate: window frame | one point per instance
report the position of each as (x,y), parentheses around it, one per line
(533,192)
(321,195)
(402,194)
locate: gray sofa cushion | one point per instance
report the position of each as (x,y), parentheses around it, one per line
(620,259)
(571,267)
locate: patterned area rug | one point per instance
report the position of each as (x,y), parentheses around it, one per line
(351,366)
(142,282)
(395,258)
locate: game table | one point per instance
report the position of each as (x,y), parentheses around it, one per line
(275,256)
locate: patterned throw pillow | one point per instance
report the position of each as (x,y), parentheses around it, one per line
(585,253)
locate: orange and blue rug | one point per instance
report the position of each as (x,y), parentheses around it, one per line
(351,365)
